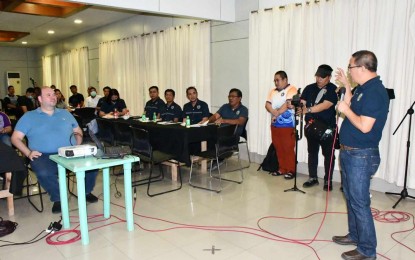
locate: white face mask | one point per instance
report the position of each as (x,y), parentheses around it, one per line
(93,93)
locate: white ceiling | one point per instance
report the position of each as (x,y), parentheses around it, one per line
(38,26)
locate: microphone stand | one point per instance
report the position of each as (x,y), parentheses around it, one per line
(297,138)
(404,192)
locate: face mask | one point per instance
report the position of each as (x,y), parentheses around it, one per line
(93,93)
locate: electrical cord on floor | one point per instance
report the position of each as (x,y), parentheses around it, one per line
(53,227)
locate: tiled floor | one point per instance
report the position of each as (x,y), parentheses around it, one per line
(187,223)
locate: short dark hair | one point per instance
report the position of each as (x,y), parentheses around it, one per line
(190,88)
(366,59)
(170,90)
(155,87)
(57,90)
(73,86)
(106,87)
(30,90)
(9,87)
(282,74)
(237,91)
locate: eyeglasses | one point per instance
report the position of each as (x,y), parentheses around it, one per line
(351,67)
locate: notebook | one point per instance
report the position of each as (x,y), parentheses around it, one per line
(109,151)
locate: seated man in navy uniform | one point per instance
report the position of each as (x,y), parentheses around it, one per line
(172,111)
(232,113)
(197,110)
(155,104)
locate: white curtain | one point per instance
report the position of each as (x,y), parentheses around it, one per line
(298,38)
(66,69)
(175,58)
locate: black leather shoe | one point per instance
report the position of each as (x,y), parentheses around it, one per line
(91,198)
(310,183)
(343,240)
(355,255)
(326,185)
(56,207)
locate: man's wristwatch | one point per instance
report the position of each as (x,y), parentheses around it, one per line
(308,109)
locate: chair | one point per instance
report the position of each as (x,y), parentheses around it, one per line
(225,147)
(244,140)
(141,146)
(83,116)
(106,131)
(6,194)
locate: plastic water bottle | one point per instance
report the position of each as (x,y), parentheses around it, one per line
(154,117)
(187,122)
(143,117)
(116,114)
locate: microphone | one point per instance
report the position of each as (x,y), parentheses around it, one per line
(342,91)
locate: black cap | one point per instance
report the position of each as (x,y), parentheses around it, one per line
(324,71)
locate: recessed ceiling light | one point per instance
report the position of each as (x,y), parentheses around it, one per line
(78,21)
(51,31)
(24,42)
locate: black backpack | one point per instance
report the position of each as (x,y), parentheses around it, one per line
(270,162)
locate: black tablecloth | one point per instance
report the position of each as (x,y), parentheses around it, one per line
(174,139)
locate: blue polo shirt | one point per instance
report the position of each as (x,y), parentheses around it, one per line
(196,113)
(226,112)
(371,100)
(310,94)
(110,107)
(46,133)
(170,112)
(155,106)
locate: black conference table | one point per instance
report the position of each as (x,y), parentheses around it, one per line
(173,138)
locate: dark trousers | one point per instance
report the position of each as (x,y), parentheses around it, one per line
(313,147)
(46,172)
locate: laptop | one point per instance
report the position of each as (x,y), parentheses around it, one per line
(109,151)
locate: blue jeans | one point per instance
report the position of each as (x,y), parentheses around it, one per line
(5,138)
(358,166)
(46,172)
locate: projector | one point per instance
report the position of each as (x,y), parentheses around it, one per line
(77,151)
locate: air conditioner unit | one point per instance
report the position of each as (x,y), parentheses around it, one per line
(13,79)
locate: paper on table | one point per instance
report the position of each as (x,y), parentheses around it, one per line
(166,123)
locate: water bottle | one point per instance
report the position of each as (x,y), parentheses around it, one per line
(187,122)
(154,117)
(143,117)
(116,114)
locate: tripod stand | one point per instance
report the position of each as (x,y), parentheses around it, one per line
(297,138)
(404,192)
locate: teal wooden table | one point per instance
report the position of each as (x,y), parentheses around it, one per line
(79,166)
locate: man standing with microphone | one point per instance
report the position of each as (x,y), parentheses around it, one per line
(365,116)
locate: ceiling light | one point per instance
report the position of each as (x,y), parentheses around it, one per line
(24,42)
(78,21)
(51,31)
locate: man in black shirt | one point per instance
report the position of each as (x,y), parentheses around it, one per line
(26,103)
(10,102)
(77,99)
(319,100)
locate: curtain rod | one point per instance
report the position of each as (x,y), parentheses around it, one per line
(145,34)
(283,6)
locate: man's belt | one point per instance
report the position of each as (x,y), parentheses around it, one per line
(347,148)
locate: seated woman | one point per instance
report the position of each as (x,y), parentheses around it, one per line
(113,103)
(60,100)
